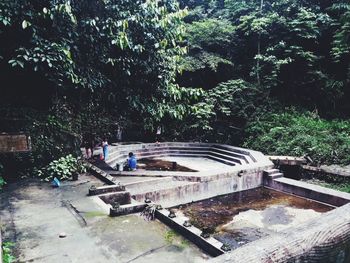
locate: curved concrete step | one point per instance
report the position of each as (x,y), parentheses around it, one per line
(221,153)
(226,157)
(235,149)
(222,160)
(245,158)
(213,156)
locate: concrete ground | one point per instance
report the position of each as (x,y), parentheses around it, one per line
(33,215)
(198,164)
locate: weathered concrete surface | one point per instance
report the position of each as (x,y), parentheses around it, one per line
(219,152)
(33,214)
(330,169)
(287,160)
(325,240)
(199,164)
(211,245)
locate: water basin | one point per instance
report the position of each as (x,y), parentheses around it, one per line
(239,218)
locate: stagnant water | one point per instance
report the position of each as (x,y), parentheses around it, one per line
(239,218)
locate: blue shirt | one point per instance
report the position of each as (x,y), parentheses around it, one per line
(132,162)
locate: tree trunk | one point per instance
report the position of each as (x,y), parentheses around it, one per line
(259,49)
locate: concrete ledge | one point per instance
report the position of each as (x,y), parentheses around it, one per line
(210,245)
(134,207)
(100,174)
(287,160)
(122,198)
(328,169)
(106,189)
(314,192)
(327,173)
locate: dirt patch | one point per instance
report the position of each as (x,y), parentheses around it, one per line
(161,165)
(211,213)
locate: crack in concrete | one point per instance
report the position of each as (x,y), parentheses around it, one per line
(75,212)
(146,253)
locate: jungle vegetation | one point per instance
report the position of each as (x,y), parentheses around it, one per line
(271,75)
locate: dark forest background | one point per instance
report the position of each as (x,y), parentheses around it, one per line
(269,75)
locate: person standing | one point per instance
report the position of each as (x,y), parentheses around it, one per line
(105,149)
(87,149)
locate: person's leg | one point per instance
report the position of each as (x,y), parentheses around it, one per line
(106,154)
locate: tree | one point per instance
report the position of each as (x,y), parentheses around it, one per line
(122,52)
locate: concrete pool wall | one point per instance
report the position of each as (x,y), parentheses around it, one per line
(239,169)
(324,239)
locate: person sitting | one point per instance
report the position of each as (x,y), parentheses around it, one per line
(131,163)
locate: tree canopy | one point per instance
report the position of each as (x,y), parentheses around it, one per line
(206,70)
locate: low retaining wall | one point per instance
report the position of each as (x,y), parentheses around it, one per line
(314,192)
(327,173)
(209,245)
(100,174)
(106,189)
(127,209)
(195,191)
(122,198)
(322,240)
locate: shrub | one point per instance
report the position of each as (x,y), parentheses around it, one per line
(2,181)
(295,133)
(63,168)
(7,256)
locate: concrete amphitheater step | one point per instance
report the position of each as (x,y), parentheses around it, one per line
(145,152)
(213,156)
(156,147)
(235,150)
(121,158)
(245,158)
(221,160)
(226,157)
(209,156)
(221,153)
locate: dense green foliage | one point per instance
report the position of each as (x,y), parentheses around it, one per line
(209,70)
(63,168)
(7,254)
(119,55)
(71,68)
(292,133)
(2,180)
(255,59)
(296,51)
